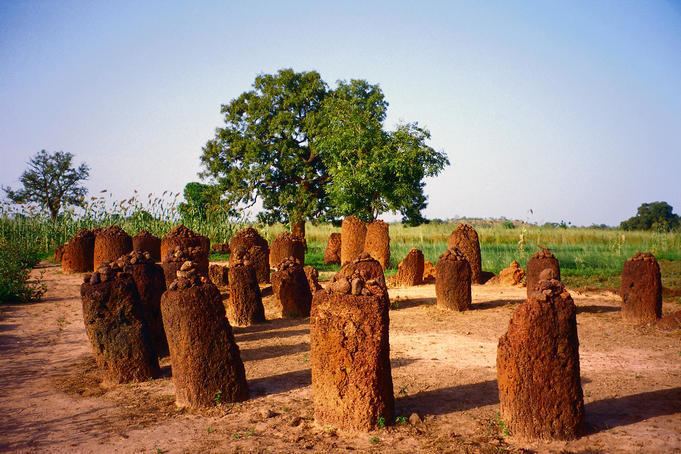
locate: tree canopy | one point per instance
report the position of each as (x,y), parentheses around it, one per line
(373,170)
(653,216)
(264,150)
(51,182)
(200,199)
(309,152)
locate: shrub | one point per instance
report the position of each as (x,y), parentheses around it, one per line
(16,284)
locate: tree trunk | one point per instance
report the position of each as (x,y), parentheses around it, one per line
(298,228)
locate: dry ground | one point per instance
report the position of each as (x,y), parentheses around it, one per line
(51,398)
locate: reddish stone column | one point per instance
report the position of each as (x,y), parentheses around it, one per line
(641,289)
(453,282)
(538,367)
(207,366)
(352,384)
(465,238)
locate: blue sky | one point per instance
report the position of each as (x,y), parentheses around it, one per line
(570,109)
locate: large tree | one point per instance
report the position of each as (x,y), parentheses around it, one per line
(373,170)
(653,216)
(264,150)
(52,182)
(310,153)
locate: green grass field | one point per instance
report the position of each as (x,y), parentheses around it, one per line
(588,257)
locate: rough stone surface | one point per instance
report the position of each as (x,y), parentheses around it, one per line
(641,289)
(205,358)
(219,275)
(539,262)
(175,259)
(115,325)
(540,389)
(58,253)
(244,307)
(410,270)
(453,283)
(465,238)
(353,235)
(670,322)
(145,241)
(291,289)
(111,243)
(332,253)
(287,245)
(377,242)
(249,247)
(312,276)
(150,284)
(365,267)
(220,248)
(186,239)
(350,355)
(79,253)
(514,275)
(429,272)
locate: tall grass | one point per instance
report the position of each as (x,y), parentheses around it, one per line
(584,253)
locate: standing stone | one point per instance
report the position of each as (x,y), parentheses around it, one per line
(185,239)
(115,324)
(219,275)
(207,366)
(287,245)
(174,260)
(150,283)
(291,289)
(540,390)
(58,253)
(365,267)
(352,384)
(244,307)
(79,253)
(312,278)
(332,253)
(410,270)
(453,283)
(513,275)
(540,261)
(641,289)
(429,272)
(145,241)
(465,238)
(220,248)
(377,242)
(249,247)
(111,243)
(353,235)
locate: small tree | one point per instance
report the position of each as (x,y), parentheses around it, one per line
(653,216)
(199,200)
(51,182)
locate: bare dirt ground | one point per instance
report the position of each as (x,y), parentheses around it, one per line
(51,398)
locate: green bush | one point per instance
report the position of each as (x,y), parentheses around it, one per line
(16,284)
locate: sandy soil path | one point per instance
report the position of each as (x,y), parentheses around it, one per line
(51,399)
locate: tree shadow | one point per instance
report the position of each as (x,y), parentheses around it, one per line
(496,303)
(249,337)
(622,411)
(273,351)
(271,325)
(412,302)
(596,309)
(275,384)
(442,401)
